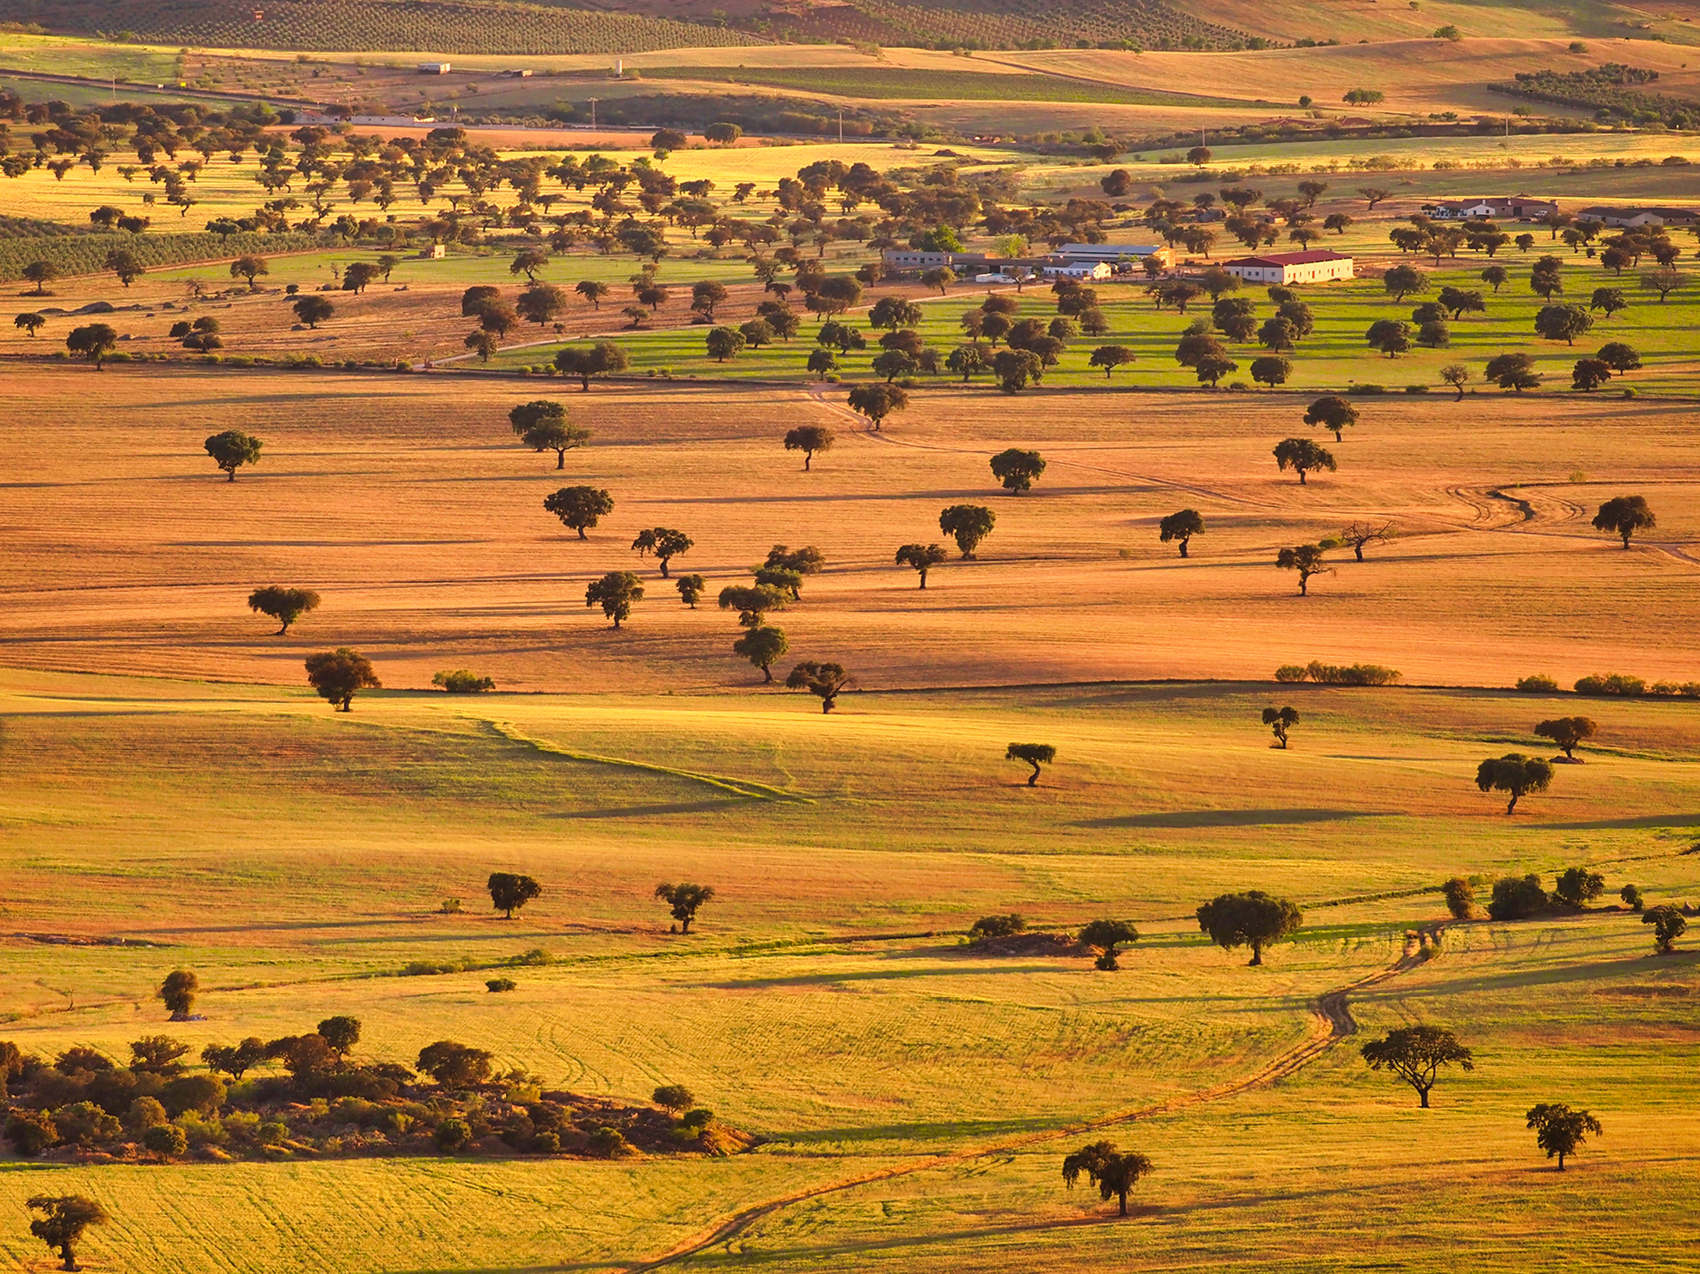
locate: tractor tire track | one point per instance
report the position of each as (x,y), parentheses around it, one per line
(1332,1022)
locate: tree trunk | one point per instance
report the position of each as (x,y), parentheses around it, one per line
(1301,477)
(768,673)
(808,456)
(1033,779)
(233,475)
(923,579)
(1183,548)
(1422,1094)
(1359,550)
(581,534)
(1122,1194)
(560,460)
(1512,804)
(1626,541)
(685,925)
(1304,586)
(1256,953)
(663,564)
(1560,1168)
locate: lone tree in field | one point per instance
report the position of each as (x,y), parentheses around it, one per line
(1307,560)
(1181,526)
(94,342)
(1456,375)
(1110,357)
(232,449)
(763,646)
(1567,732)
(40,273)
(1115,1174)
(1252,919)
(178,993)
(579,507)
(341,1033)
(1513,371)
(1624,515)
(1279,721)
(1563,323)
(1561,1131)
(725,343)
(286,605)
(1668,925)
(62,1222)
(826,681)
(809,439)
(665,543)
(250,268)
(967,524)
(1514,774)
(1302,455)
(923,557)
(684,899)
(1332,412)
(592,291)
(30,323)
(338,674)
(555,434)
(675,1099)
(313,310)
(1103,936)
(1403,280)
(510,892)
(615,592)
(1034,754)
(1415,1054)
(877,401)
(1360,534)
(1017,469)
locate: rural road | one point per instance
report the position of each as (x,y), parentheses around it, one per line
(1332,1023)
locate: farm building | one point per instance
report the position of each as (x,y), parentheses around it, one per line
(1491,208)
(1112,253)
(1634,217)
(434,68)
(915,259)
(1292,267)
(1078,270)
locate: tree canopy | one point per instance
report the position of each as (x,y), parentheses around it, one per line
(1415,1054)
(338,674)
(685,899)
(615,592)
(579,507)
(1332,412)
(877,401)
(1514,774)
(1302,455)
(1181,526)
(1017,469)
(1624,515)
(762,645)
(604,358)
(923,557)
(968,525)
(1034,754)
(1561,1131)
(665,542)
(1307,560)
(285,605)
(1279,721)
(1103,936)
(824,680)
(809,439)
(509,892)
(62,1222)
(1250,919)
(1114,1173)
(1567,732)
(232,449)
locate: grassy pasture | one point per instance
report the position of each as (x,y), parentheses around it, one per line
(849,1056)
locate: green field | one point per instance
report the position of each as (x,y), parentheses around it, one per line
(849,1052)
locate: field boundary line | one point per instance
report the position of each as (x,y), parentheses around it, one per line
(746,788)
(1332,1022)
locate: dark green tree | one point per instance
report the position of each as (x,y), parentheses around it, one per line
(1332,412)
(615,592)
(685,899)
(690,589)
(1251,919)
(94,342)
(579,507)
(232,449)
(1109,357)
(341,1032)
(1577,886)
(178,992)
(968,524)
(286,605)
(313,309)
(338,674)
(877,401)
(1563,323)
(824,680)
(509,892)
(1034,754)
(454,1065)
(751,602)
(1016,469)
(1624,515)
(1514,774)
(63,1220)
(1103,936)
(1302,455)
(923,557)
(809,439)
(1415,1054)
(601,359)
(1513,371)
(1561,1131)
(1668,925)
(1391,336)
(1517,898)
(1279,721)
(762,646)
(1567,732)
(1181,526)
(1307,560)
(1114,1173)
(665,543)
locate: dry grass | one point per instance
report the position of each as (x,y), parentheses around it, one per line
(404,501)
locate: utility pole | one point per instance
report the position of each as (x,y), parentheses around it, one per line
(841,126)
(593,112)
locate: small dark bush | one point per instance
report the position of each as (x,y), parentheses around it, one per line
(1517,898)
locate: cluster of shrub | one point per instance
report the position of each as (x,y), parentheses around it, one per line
(1337,674)
(1524,897)
(1605,684)
(1612,90)
(82,1106)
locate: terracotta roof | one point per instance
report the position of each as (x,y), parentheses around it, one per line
(1292,258)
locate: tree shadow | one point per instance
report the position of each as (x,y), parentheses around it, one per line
(1232,818)
(1604,824)
(645,811)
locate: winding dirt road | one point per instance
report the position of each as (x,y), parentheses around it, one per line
(1332,1022)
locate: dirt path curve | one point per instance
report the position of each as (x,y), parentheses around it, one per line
(1332,1022)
